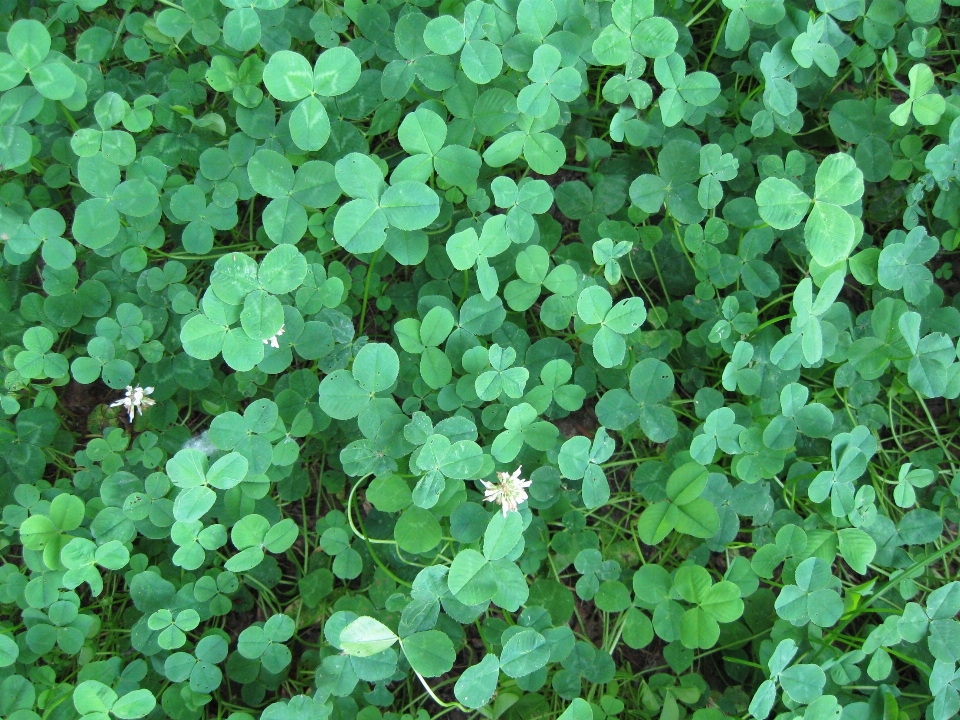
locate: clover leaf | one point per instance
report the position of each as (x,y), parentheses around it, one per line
(93,699)
(900,266)
(926,105)
(579,458)
(831,231)
(595,307)
(361,225)
(683,509)
(422,134)
(651,382)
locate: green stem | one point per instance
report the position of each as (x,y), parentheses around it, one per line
(933,426)
(716,39)
(700,14)
(366,291)
(123,21)
(892,582)
(430,692)
(683,246)
(371,541)
(73,123)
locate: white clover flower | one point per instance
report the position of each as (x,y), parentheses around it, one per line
(273,342)
(509,492)
(135,400)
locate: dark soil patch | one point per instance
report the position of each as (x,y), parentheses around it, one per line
(643,660)
(581,422)
(79,401)
(592,626)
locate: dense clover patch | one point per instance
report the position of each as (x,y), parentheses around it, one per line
(572,359)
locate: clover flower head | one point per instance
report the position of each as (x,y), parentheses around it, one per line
(273,342)
(135,400)
(508,492)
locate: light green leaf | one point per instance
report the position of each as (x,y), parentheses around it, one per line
(365,637)
(781,204)
(430,653)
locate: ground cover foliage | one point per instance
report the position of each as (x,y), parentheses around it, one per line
(284,282)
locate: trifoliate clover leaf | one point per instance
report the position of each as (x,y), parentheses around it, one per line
(901,263)
(361,225)
(635,29)
(808,48)
(715,165)
(480,59)
(683,509)
(92,697)
(809,334)
(814,420)
(36,361)
(813,599)
(737,374)
(932,366)
(579,458)
(595,307)
(720,431)
(925,103)
(522,427)
(543,151)
(253,535)
(422,134)
(680,89)
(465,249)
(289,77)
(521,201)
(651,382)
(199,668)
(439,458)
(556,389)
(831,232)
(501,378)
(172,628)
(548,80)
(849,455)
(344,394)
(223,76)
(607,254)
(713,603)
(266,643)
(534,273)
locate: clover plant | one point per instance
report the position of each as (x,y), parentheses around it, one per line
(515,359)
